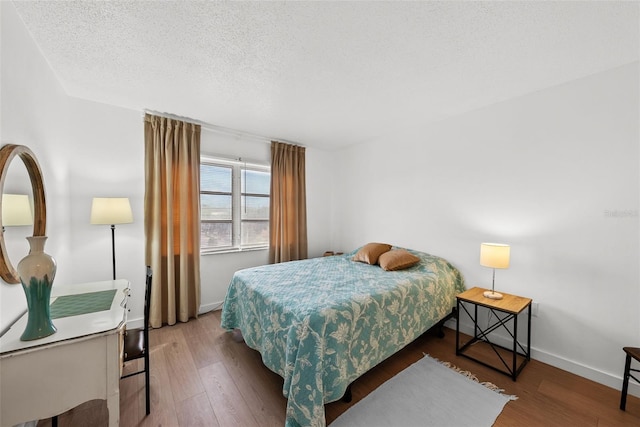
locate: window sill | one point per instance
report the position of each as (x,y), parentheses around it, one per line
(233,250)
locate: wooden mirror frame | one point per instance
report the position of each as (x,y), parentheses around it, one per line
(7,153)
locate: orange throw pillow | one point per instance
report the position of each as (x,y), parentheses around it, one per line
(370,252)
(397,259)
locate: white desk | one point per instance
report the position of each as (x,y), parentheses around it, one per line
(78,363)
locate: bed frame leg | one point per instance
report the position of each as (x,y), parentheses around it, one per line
(347,395)
(440,324)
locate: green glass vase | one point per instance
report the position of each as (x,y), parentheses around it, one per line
(36,272)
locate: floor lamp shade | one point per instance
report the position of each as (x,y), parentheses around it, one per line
(111,210)
(494,255)
(16,210)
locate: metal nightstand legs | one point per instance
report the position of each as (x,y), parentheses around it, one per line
(482,335)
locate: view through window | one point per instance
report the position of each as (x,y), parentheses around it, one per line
(234,205)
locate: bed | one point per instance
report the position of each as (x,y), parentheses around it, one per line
(323,322)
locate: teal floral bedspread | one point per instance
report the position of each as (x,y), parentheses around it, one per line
(321,323)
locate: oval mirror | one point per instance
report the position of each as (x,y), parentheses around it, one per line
(7,154)
(17,211)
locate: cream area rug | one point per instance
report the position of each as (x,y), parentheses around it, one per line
(428,393)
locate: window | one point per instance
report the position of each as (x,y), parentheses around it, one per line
(234,205)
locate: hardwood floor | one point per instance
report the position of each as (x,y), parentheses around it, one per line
(201,377)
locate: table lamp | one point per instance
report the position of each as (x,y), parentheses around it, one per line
(494,255)
(111,210)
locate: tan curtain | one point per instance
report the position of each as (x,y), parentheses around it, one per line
(288,211)
(172,218)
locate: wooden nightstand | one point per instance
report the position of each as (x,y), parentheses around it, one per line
(505,313)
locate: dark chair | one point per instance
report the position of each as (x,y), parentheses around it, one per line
(136,341)
(632,352)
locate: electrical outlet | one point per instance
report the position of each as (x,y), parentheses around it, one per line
(534,309)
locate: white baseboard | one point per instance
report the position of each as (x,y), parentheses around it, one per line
(210,307)
(138,322)
(611,380)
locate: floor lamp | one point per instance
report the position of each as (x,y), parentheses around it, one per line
(111,210)
(16,210)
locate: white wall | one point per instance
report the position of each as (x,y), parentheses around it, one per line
(546,173)
(34,113)
(107,146)
(217,269)
(543,172)
(87,150)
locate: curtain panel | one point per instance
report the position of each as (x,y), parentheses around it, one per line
(288,204)
(172,218)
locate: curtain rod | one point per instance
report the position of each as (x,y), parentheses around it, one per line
(218,129)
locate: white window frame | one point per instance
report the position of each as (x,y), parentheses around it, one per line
(236,202)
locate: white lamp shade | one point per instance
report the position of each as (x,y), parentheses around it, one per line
(111,210)
(495,255)
(16,210)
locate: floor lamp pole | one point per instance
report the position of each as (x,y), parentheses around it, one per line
(113,248)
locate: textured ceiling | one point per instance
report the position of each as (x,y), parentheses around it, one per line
(325,74)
